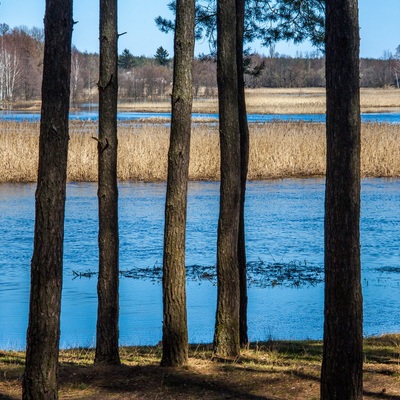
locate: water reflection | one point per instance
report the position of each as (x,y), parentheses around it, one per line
(284,224)
(388,117)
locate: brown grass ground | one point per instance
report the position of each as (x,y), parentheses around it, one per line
(264,371)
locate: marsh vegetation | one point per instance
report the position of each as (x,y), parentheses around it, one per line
(277,150)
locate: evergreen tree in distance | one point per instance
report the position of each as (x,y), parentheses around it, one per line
(162,56)
(126,60)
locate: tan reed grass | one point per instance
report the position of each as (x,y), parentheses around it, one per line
(380,150)
(19,143)
(380,100)
(313,100)
(280,150)
(206,105)
(284,101)
(268,101)
(277,150)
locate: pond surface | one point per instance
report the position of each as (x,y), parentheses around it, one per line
(284,227)
(392,118)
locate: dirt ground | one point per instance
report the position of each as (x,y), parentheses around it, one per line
(264,371)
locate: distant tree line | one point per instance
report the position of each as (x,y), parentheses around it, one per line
(21,62)
(144,78)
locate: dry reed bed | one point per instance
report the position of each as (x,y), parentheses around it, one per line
(283,101)
(286,101)
(204,105)
(267,101)
(277,150)
(313,100)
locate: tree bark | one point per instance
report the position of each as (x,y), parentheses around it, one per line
(107,351)
(342,360)
(226,335)
(244,163)
(43,335)
(175,331)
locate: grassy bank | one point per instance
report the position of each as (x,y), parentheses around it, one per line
(270,370)
(277,150)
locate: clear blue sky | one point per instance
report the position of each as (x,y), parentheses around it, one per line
(379,22)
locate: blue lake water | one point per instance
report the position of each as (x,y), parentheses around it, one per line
(392,118)
(284,224)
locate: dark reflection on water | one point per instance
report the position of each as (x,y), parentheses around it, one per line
(284,225)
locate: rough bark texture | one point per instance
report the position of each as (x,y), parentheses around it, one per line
(226,336)
(175,332)
(41,370)
(342,360)
(107,351)
(244,163)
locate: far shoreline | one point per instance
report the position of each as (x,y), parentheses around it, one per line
(259,101)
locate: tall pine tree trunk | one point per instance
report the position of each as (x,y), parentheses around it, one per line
(41,370)
(226,335)
(175,332)
(342,360)
(244,162)
(107,351)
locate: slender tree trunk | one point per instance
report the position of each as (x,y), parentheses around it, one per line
(226,336)
(175,332)
(244,163)
(342,360)
(41,370)
(107,351)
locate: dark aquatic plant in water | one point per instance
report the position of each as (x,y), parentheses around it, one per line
(259,274)
(292,274)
